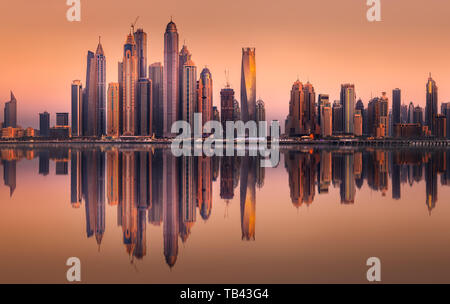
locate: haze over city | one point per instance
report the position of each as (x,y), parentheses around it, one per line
(330,43)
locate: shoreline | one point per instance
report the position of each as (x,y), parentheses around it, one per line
(282,142)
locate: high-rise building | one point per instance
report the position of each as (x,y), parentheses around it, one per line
(323,100)
(248,85)
(226,105)
(140,38)
(144,107)
(418,115)
(445,110)
(130,78)
(378,116)
(348,99)
(10,113)
(183,57)
(338,114)
(404,114)
(216,114)
(396,104)
(236,111)
(360,107)
(94,94)
(358,123)
(62,119)
(441,126)
(431,109)
(326,120)
(113,110)
(156,77)
(410,113)
(189,92)
(260,111)
(205,95)
(44,124)
(170,76)
(302,110)
(77,103)
(100,72)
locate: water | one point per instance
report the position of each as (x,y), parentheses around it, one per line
(138,214)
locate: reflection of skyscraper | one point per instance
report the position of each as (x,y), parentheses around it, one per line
(301,167)
(348,189)
(156,211)
(248,198)
(396,194)
(62,168)
(204,186)
(44,162)
(325,171)
(170,75)
(75,179)
(187,196)
(129,201)
(113,177)
(226,178)
(248,85)
(170,209)
(431,182)
(9,175)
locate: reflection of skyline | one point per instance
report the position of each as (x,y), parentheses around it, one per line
(155,187)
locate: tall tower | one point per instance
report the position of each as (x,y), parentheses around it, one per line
(100,73)
(226,105)
(130,75)
(156,77)
(113,110)
(141,47)
(10,113)
(431,109)
(77,92)
(348,102)
(183,57)
(296,108)
(189,96)
(206,95)
(248,85)
(171,85)
(396,105)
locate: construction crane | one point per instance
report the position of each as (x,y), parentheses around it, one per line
(134,23)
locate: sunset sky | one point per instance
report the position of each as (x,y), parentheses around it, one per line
(326,41)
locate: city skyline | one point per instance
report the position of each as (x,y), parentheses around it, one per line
(326,79)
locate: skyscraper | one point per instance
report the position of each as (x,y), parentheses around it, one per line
(140,38)
(431,109)
(156,77)
(144,107)
(445,110)
(10,111)
(337,117)
(348,103)
(189,92)
(396,104)
(94,95)
(100,72)
(323,99)
(130,78)
(226,105)
(170,76)
(206,95)
(260,111)
(62,119)
(183,57)
(77,103)
(411,113)
(327,120)
(113,110)
(248,85)
(44,124)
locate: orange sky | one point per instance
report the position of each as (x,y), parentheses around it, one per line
(328,42)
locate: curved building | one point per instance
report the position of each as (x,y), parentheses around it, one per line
(248,85)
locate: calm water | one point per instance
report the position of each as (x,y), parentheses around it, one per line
(138,214)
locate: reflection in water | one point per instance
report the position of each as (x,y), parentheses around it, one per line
(150,186)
